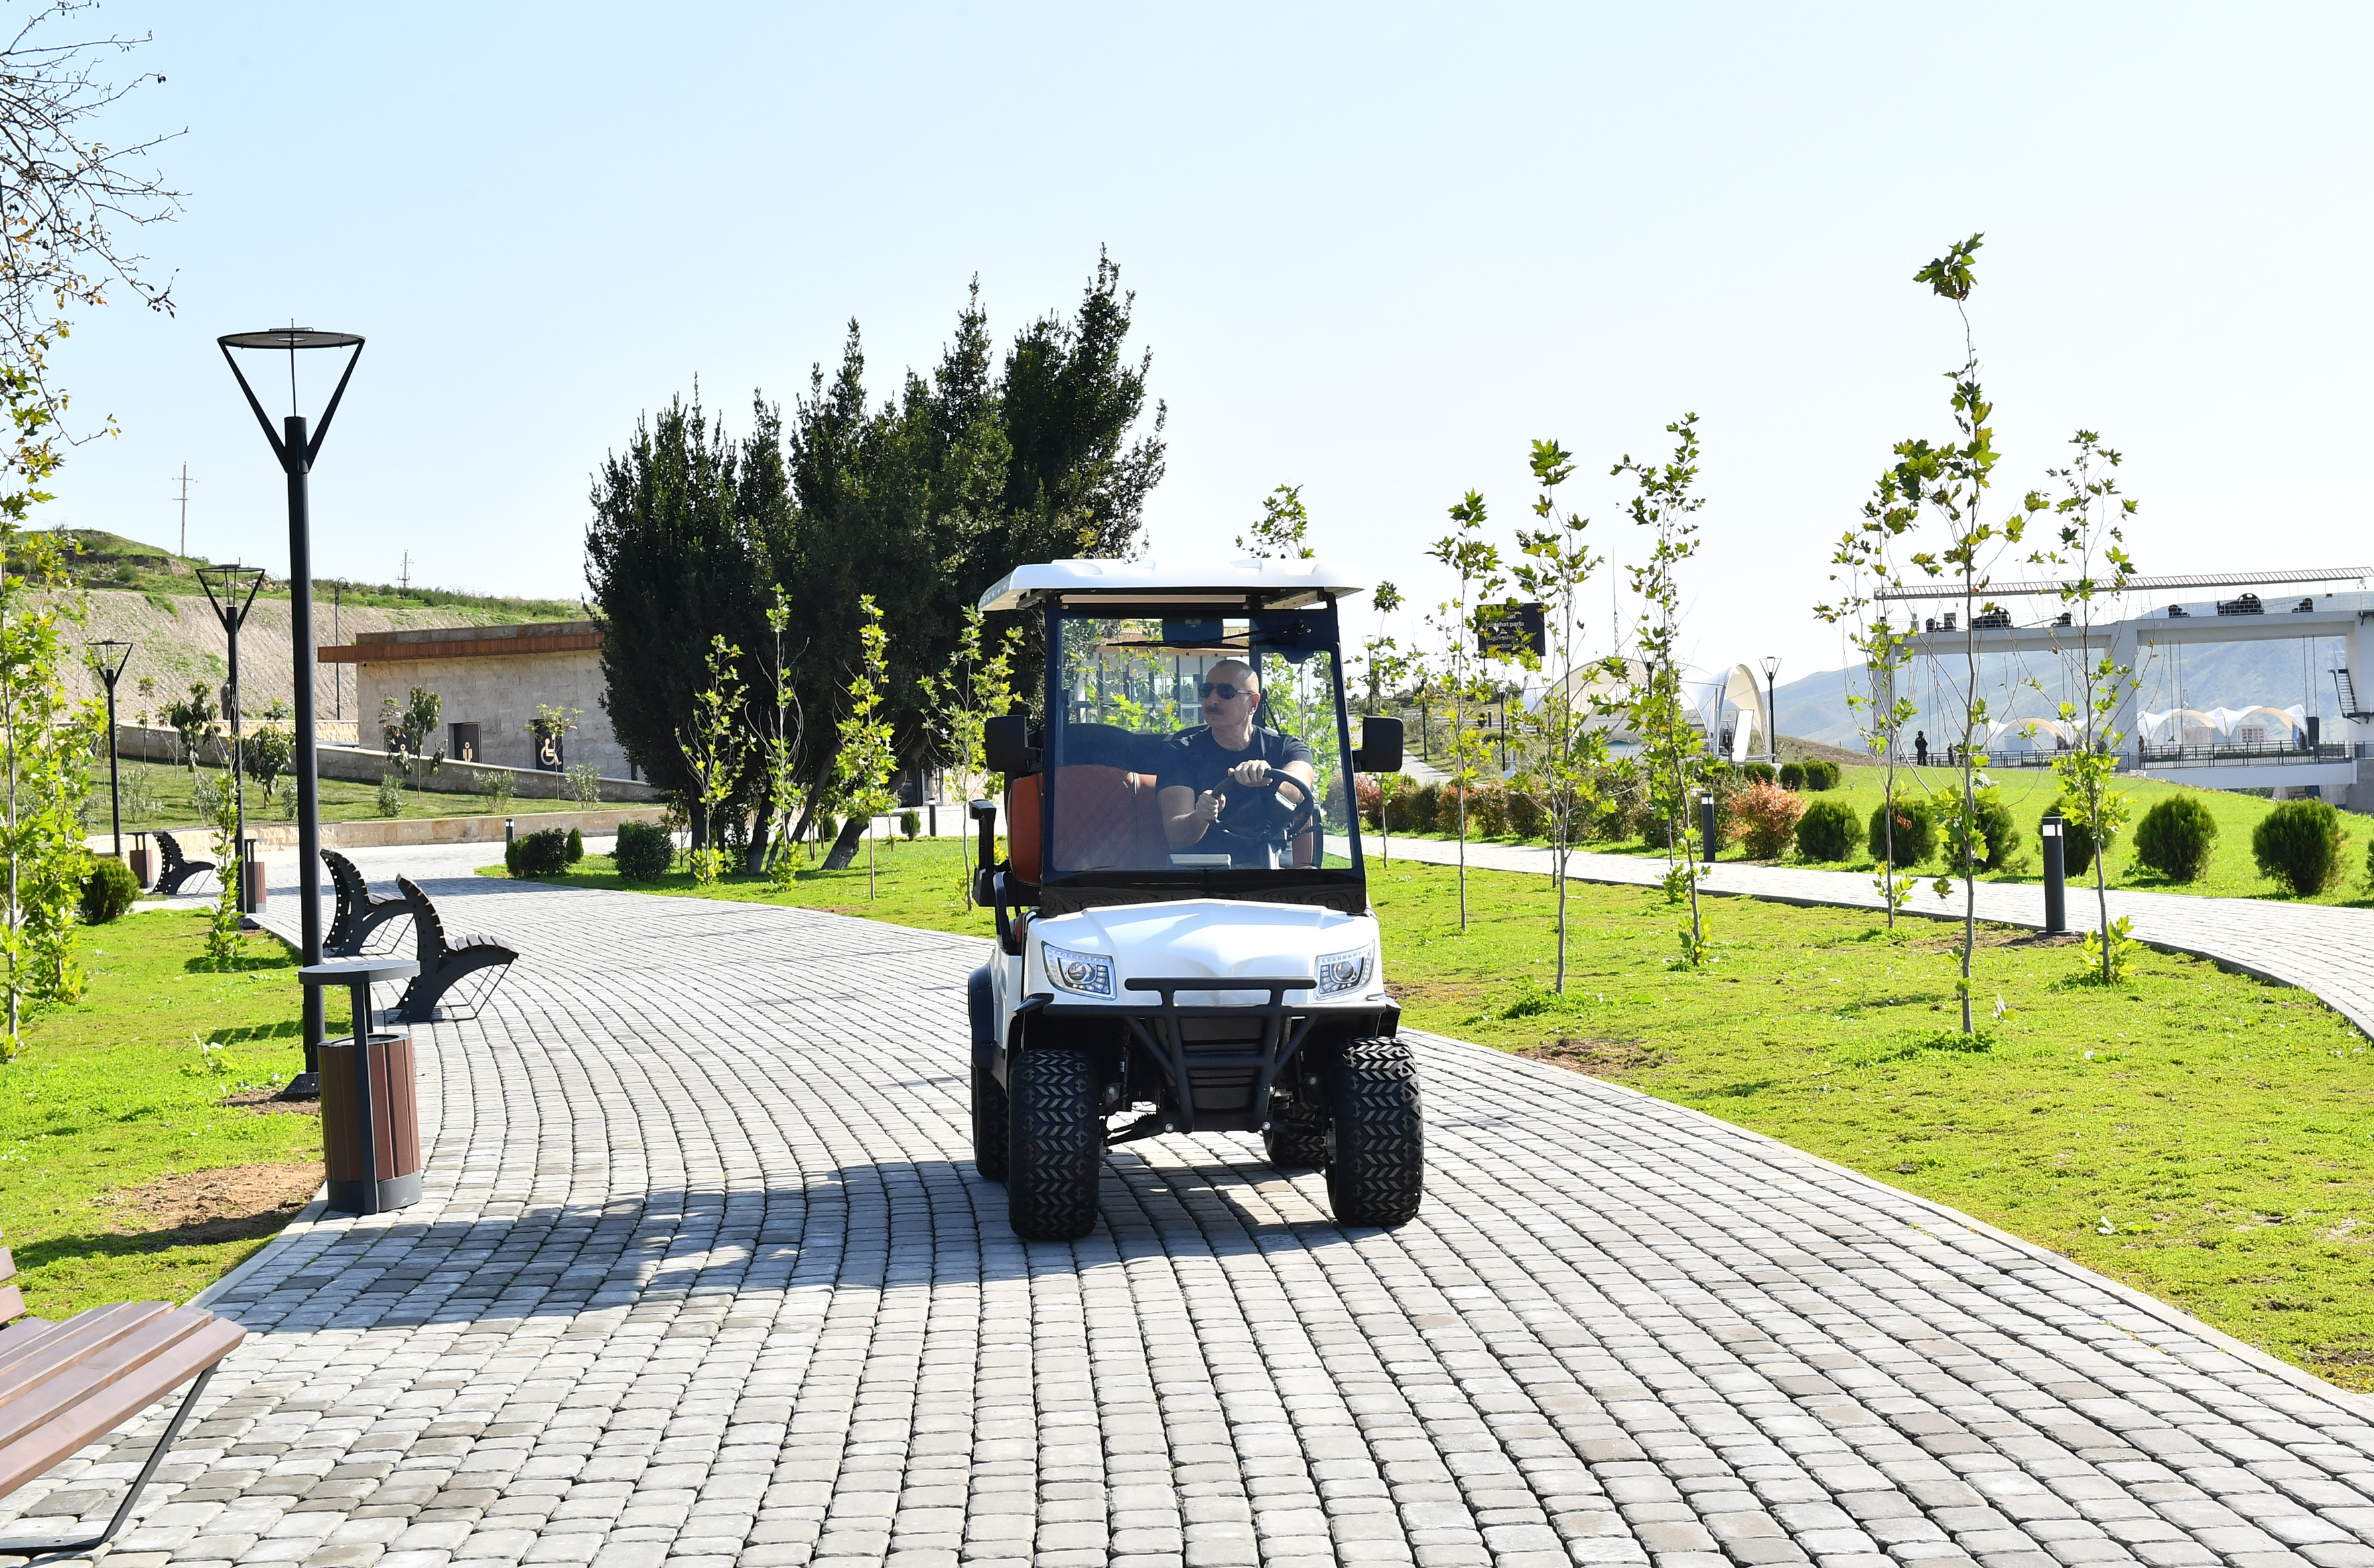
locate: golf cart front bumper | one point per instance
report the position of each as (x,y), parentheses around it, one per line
(1219,1063)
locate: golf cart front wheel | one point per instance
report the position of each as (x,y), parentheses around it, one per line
(1056,1152)
(990,1134)
(1377,1174)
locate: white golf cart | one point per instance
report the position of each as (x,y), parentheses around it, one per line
(1159,974)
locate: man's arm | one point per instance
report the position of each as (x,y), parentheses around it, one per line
(1184,814)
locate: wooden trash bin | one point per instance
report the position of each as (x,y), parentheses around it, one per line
(143,872)
(370,1114)
(394,1118)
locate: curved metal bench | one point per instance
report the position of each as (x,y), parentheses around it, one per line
(361,910)
(65,1384)
(177,869)
(443,960)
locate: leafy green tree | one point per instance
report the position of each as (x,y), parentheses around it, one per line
(1280,533)
(781,743)
(1946,484)
(977,687)
(2089,552)
(865,760)
(1556,566)
(190,719)
(675,554)
(714,744)
(1475,561)
(1671,747)
(1868,566)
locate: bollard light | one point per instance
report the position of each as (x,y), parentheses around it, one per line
(2056,891)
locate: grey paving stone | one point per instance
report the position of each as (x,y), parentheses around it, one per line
(702,1274)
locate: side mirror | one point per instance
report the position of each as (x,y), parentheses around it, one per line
(1005,744)
(1379,750)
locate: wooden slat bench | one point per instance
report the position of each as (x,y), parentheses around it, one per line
(443,958)
(65,1384)
(177,869)
(361,910)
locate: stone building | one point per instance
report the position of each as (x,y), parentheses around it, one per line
(492,679)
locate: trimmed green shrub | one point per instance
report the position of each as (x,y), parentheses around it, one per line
(576,846)
(1488,812)
(1998,834)
(1760,772)
(1827,830)
(1821,775)
(1792,775)
(2175,837)
(911,823)
(543,853)
(108,890)
(645,851)
(2077,838)
(1916,830)
(2299,844)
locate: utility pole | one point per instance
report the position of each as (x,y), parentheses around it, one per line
(185,510)
(404,579)
(338,675)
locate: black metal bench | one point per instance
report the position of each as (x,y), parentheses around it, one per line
(177,868)
(67,1384)
(361,910)
(443,960)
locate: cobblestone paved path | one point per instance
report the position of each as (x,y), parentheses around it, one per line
(2315,947)
(704,1275)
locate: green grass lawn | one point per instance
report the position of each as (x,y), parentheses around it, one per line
(114,1108)
(158,794)
(2202,1135)
(2031,790)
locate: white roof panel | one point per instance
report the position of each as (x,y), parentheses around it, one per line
(1157,576)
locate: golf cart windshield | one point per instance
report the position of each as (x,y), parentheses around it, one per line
(1198,747)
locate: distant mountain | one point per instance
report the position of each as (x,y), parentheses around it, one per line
(2229,674)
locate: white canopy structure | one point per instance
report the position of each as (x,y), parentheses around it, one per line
(2193,727)
(1708,696)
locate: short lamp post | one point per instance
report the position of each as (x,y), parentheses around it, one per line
(109,657)
(1771,708)
(223,585)
(296,451)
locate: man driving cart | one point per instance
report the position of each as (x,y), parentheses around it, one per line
(1219,764)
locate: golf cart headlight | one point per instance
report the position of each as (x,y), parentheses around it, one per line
(1339,973)
(1085,975)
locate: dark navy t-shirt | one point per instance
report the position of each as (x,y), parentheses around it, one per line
(1196,761)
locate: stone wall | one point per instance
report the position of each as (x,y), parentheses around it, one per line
(500,694)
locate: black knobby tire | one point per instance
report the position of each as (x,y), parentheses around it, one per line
(988,1122)
(1378,1174)
(1057,1148)
(1296,1146)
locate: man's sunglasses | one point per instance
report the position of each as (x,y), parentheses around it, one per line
(1227,690)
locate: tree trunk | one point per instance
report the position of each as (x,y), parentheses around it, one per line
(844,848)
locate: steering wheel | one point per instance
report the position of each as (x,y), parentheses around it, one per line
(1277,819)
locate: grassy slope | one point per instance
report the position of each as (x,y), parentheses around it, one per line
(2199,1134)
(2031,790)
(115,1091)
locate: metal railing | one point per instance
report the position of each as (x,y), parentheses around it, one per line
(2239,751)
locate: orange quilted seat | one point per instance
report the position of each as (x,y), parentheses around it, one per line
(1106,820)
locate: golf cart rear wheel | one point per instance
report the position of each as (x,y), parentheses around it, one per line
(1296,1146)
(1377,1172)
(1057,1148)
(990,1135)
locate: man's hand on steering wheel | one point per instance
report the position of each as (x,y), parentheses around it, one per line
(1253,775)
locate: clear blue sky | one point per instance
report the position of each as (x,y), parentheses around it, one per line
(1375,251)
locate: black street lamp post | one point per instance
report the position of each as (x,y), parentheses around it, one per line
(296,452)
(222,584)
(108,657)
(1771,708)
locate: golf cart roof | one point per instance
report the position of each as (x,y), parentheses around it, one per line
(1281,583)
